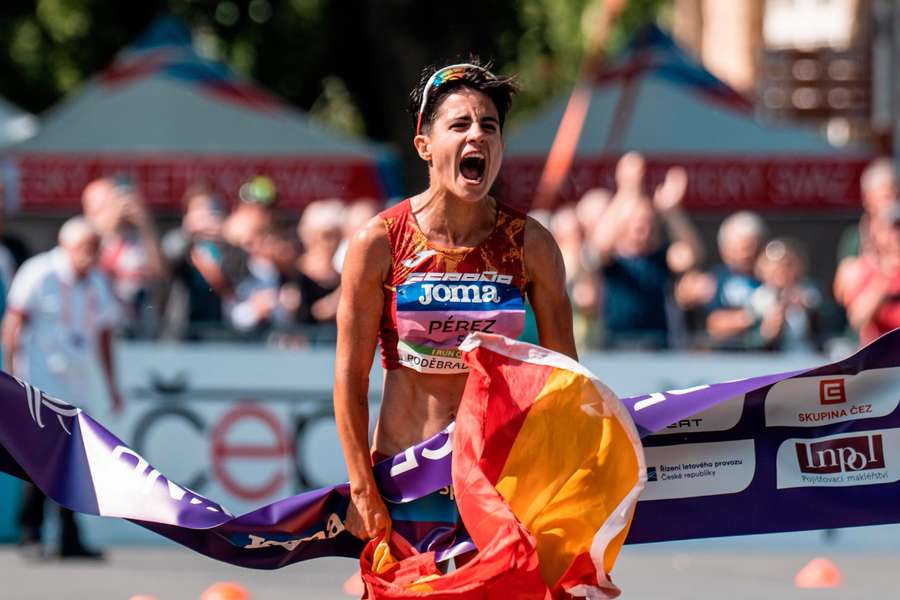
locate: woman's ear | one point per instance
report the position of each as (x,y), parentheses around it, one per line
(422,144)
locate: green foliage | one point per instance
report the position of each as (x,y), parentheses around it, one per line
(351,61)
(548,53)
(335,108)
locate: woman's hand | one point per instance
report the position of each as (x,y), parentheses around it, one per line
(367,515)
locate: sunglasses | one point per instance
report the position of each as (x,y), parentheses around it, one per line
(442,76)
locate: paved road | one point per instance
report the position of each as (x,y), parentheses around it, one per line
(751,568)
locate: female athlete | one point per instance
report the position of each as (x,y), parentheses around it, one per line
(423,274)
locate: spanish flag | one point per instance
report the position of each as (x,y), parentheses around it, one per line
(547,469)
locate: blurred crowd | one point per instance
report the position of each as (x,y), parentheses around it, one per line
(239,273)
(638,274)
(640,279)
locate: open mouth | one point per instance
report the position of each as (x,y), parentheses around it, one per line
(472,168)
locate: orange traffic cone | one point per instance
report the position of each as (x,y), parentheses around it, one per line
(818,573)
(225,590)
(354,585)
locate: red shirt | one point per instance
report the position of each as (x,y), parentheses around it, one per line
(887,317)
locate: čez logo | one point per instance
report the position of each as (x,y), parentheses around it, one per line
(832,391)
(845,455)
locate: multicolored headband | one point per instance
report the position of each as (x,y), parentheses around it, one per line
(442,76)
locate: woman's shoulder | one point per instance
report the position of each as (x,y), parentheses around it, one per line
(398,210)
(510,210)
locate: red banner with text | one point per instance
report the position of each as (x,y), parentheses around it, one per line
(53,183)
(715,183)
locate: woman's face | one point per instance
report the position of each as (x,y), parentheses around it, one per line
(463,146)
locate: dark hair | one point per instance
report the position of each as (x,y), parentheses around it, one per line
(202,188)
(499,89)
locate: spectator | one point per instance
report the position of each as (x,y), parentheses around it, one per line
(356,215)
(583,288)
(59,322)
(637,262)
(859,245)
(196,254)
(3,289)
(786,306)
(7,269)
(130,252)
(724,293)
(868,286)
(254,214)
(7,264)
(878,185)
(319,231)
(256,304)
(590,209)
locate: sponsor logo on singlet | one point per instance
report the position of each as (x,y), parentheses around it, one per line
(436,311)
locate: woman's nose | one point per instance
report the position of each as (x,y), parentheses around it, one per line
(476,132)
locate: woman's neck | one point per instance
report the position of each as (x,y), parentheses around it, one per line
(449,221)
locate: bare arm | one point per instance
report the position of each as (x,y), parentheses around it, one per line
(547,290)
(13,323)
(109,370)
(157,268)
(607,232)
(686,251)
(212,274)
(359,314)
(136,211)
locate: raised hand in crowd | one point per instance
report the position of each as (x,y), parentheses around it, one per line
(134,211)
(685,250)
(670,193)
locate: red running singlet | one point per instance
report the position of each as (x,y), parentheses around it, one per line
(434,297)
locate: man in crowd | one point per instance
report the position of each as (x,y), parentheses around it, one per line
(253,215)
(59,321)
(199,260)
(723,294)
(638,261)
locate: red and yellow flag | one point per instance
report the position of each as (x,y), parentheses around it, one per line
(547,469)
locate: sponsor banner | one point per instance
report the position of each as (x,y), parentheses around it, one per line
(185,413)
(825,451)
(691,470)
(816,401)
(720,417)
(750,487)
(863,458)
(177,396)
(721,183)
(55,182)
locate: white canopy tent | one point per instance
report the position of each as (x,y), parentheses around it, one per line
(15,124)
